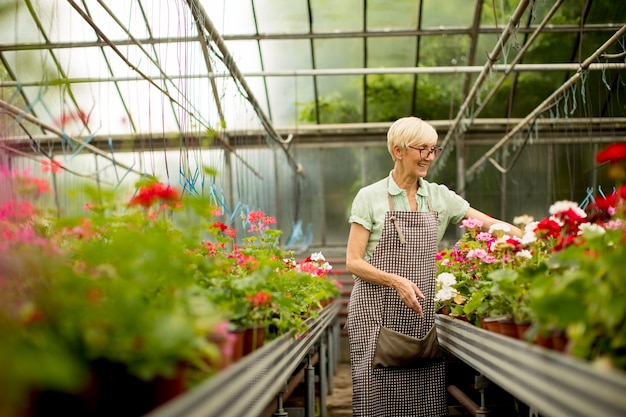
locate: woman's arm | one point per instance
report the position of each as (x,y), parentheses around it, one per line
(357,265)
(488,221)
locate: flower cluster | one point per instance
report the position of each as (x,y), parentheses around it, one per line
(472,258)
(154,193)
(315,264)
(126,284)
(564,274)
(445,290)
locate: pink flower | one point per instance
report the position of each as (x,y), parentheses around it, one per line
(484,237)
(52,166)
(470,224)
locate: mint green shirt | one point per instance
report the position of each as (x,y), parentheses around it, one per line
(371,203)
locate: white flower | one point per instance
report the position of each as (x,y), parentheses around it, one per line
(564,205)
(591,230)
(524,254)
(530,227)
(326,267)
(445,294)
(317,257)
(499,226)
(446,279)
(523,220)
(500,230)
(528,238)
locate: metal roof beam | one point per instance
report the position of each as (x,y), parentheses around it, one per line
(518,58)
(345,71)
(488,67)
(436,31)
(548,101)
(199,13)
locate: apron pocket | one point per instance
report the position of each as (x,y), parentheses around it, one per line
(397,350)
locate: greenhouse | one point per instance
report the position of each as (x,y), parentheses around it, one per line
(191,221)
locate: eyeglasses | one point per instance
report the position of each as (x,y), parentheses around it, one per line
(425,153)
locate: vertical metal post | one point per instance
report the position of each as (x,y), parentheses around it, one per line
(323,367)
(309,377)
(332,359)
(481,383)
(280,411)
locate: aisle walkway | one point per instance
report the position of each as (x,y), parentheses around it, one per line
(339,402)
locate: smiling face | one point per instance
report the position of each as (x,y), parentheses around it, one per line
(419,156)
(412,143)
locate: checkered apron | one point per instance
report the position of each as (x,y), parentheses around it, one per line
(393,392)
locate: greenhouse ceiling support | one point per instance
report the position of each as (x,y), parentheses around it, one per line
(548,101)
(13,77)
(196,8)
(450,30)
(487,68)
(56,61)
(154,60)
(517,59)
(131,119)
(597,66)
(18,113)
(261,61)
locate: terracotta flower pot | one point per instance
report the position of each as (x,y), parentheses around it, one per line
(522,327)
(254,337)
(239,335)
(492,323)
(559,340)
(508,328)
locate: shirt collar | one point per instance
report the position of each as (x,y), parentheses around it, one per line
(393,189)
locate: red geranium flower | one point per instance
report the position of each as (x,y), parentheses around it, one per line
(548,228)
(149,194)
(260,299)
(219,225)
(613,153)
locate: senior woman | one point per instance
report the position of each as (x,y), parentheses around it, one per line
(396,226)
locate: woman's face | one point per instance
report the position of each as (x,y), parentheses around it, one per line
(419,156)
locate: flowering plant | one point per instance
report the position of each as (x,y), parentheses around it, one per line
(465,268)
(142,284)
(259,283)
(583,296)
(565,273)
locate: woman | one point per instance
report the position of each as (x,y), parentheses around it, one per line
(396,225)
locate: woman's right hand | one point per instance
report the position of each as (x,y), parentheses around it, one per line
(409,293)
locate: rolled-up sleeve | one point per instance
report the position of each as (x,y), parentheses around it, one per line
(361,212)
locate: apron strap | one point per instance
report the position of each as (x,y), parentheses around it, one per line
(393,218)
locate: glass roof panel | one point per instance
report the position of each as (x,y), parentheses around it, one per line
(339,53)
(246,55)
(28,31)
(391,52)
(437,13)
(335,16)
(284,55)
(607,12)
(232,17)
(179,91)
(403,14)
(551,48)
(340,98)
(281,16)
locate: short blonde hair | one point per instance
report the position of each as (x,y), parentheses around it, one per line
(410,130)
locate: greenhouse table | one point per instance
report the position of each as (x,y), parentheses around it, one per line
(250,385)
(555,384)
